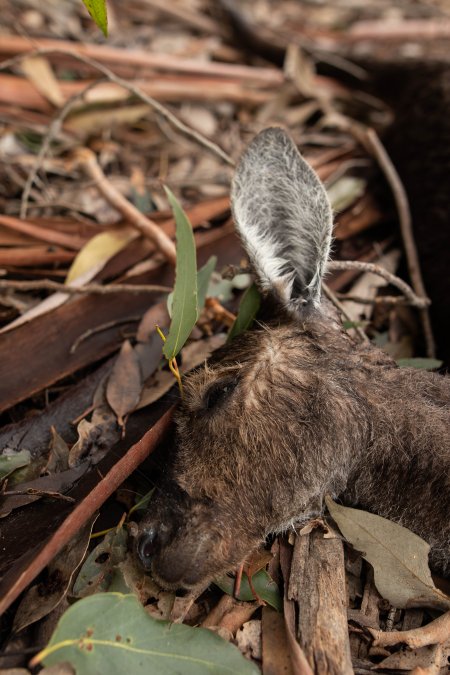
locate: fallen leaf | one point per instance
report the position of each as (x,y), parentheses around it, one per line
(91,121)
(98,570)
(11,460)
(125,383)
(58,483)
(113,629)
(39,71)
(95,437)
(398,556)
(265,588)
(99,249)
(345,191)
(58,459)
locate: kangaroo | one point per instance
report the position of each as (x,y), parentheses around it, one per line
(293,410)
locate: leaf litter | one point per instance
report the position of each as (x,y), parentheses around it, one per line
(66,203)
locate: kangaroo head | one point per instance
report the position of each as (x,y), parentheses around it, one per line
(279,417)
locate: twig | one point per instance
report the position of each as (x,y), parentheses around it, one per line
(374,145)
(331,296)
(53,129)
(402,286)
(379,300)
(136,91)
(137,58)
(409,297)
(436,632)
(87,160)
(99,329)
(411,29)
(98,289)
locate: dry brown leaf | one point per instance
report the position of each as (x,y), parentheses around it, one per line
(96,437)
(58,459)
(124,386)
(398,556)
(93,121)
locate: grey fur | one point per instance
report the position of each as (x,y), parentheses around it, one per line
(284,218)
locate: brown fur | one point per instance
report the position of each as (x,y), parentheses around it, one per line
(294,410)
(309,414)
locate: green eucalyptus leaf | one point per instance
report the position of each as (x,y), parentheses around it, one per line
(203,279)
(421,364)
(97,571)
(184,304)
(97,9)
(112,633)
(248,309)
(263,584)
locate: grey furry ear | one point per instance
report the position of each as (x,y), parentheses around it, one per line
(284,219)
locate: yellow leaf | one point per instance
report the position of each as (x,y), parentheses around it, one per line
(96,253)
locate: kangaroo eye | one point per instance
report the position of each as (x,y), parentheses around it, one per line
(217,393)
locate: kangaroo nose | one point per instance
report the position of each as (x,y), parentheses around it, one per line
(147,546)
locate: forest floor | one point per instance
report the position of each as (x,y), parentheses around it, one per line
(91,128)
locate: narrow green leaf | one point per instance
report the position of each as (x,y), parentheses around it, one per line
(421,364)
(353,324)
(112,633)
(184,305)
(97,9)
(142,503)
(203,278)
(265,588)
(248,309)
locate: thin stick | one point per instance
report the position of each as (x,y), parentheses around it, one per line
(94,331)
(436,632)
(379,300)
(375,146)
(97,289)
(87,160)
(136,91)
(402,286)
(331,296)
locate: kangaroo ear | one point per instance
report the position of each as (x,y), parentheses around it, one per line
(284,219)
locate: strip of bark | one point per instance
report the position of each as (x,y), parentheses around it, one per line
(317,584)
